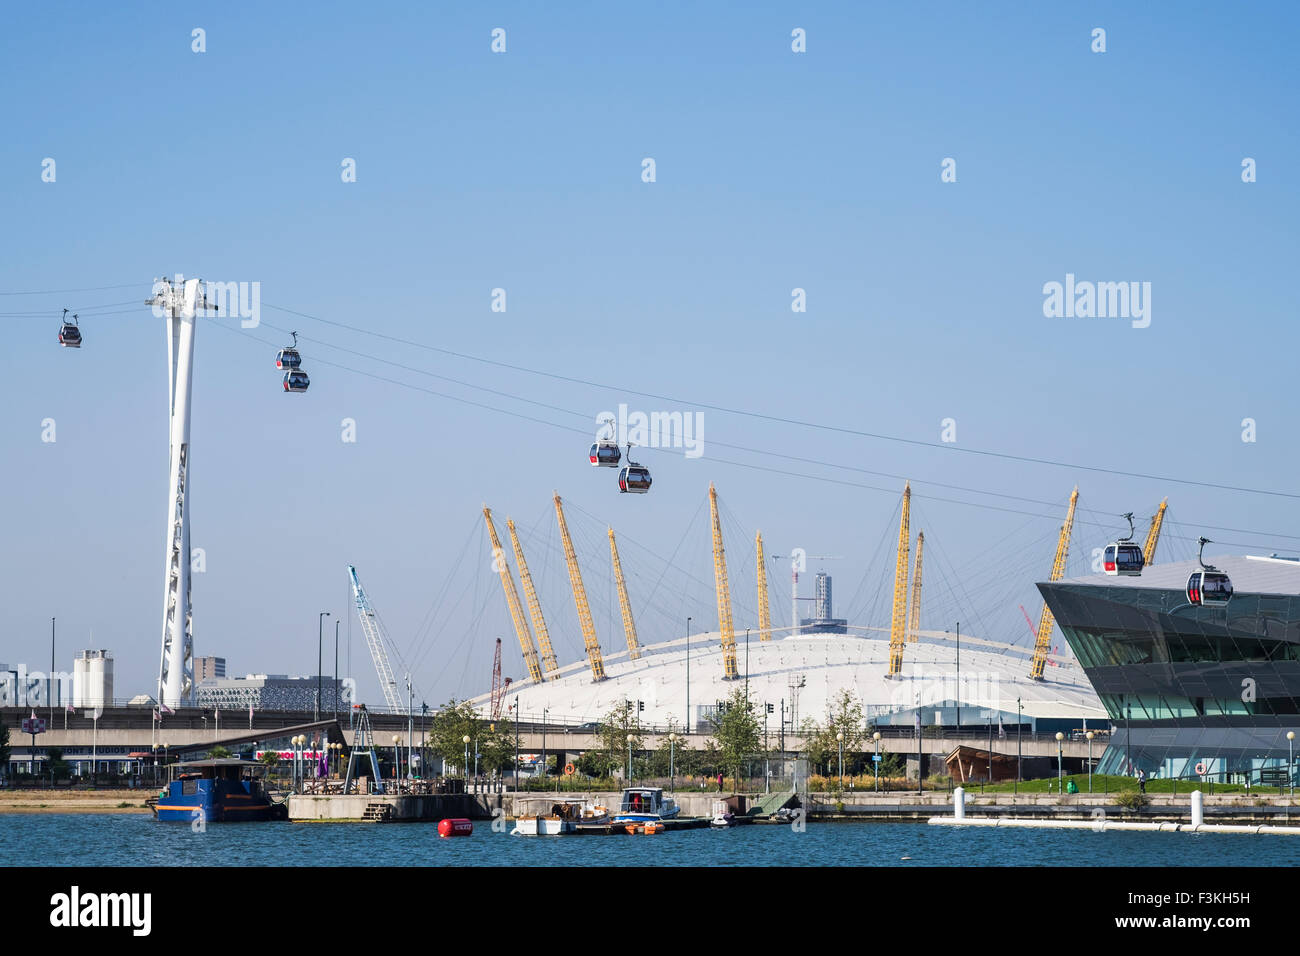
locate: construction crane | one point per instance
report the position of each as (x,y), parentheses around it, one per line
(377,643)
(580,598)
(764,610)
(629,625)
(502,567)
(729,669)
(1042,643)
(534,606)
(496,682)
(914,615)
(1153,535)
(898,621)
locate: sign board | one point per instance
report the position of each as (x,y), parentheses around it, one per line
(33,725)
(875,758)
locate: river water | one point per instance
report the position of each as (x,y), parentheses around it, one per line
(138,840)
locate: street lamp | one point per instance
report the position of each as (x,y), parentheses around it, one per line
(1290,761)
(876,763)
(320,626)
(1059,772)
(672,776)
(839,737)
(746,667)
(397,758)
(465,772)
(688,675)
(337,622)
(629,760)
(1089,736)
(155,765)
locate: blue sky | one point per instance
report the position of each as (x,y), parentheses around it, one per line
(522,171)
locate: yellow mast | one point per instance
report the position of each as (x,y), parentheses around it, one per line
(502,567)
(580,599)
(729,670)
(914,615)
(764,609)
(1153,535)
(534,606)
(1044,641)
(897,624)
(629,625)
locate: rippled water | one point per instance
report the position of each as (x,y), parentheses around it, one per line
(138,840)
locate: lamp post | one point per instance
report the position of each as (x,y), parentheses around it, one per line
(876,763)
(839,738)
(320,626)
(629,760)
(337,622)
(465,772)
(544,713)
(1089,736)
(397,758)
(155,765)
(688,675)
(958,625)
(1290,761)
(1020,734)
(516,746)
(672,775)
(1059,770)
(746,666)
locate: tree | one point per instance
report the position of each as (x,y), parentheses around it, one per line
(614,730)
(671,757)
(4,748)
(58,767)
(737,731)
(496,746)
(219,753)
(449,729)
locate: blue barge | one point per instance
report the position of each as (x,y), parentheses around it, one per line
(218,791)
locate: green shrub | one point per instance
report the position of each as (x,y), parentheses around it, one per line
(1132,800)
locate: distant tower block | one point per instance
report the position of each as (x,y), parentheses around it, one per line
(822,622)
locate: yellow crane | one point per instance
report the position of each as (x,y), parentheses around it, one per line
(502,567)
(729,669)
(914,615)
(764,609)
(629,625)
(1153,535)
(898,622)
(1043,642)
(534,606)
(580,599)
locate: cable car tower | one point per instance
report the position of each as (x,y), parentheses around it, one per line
(178,303)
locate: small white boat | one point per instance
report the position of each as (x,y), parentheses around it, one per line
(722,816)
(562,818)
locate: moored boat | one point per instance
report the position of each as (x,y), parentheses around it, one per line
(645,805)
(218,791)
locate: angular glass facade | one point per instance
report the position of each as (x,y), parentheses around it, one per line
(1186,685)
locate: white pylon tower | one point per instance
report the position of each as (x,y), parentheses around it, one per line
(178,301)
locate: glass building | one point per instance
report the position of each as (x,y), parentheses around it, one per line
(1192,691)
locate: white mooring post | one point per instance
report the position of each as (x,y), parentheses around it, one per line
(959,803)
(1198,811)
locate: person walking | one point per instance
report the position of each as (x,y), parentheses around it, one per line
(1142,781)
(719,783)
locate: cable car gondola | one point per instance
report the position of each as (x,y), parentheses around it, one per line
(1208,586)
(296,381)
(604,452)
(1124,557)
(634,478)
(288,358)
(69,333)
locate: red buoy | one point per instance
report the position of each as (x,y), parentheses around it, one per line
(455,826)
